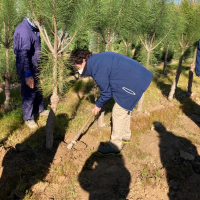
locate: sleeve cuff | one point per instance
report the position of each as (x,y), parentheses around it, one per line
(99,105)
(28,74)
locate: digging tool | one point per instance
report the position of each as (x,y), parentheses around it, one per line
(70,145)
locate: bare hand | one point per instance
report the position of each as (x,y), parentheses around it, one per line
(96,110)
(30,82)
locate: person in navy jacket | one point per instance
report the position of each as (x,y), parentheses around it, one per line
(197,69)
(27,48)
(119,77)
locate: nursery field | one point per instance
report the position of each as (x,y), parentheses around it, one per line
(162,161)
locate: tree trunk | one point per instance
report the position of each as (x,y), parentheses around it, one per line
(61,72)
(165,61)
(127,46)
(7,81)
(140,103)
(102,113)
(101,117)
(61,80)
(107,46)
(54,104)
(148,57)
(178,73)
(98,42)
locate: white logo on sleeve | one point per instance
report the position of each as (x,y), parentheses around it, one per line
(128,91)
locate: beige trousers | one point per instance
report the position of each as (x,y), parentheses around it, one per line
(121,119)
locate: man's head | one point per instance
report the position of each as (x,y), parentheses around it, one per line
(78,57)
(33,23)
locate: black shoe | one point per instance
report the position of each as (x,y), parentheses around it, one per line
(108,150)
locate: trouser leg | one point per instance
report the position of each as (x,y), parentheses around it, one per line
(38,105)
(127,130)
(119,119)
(32,100)
(28,97)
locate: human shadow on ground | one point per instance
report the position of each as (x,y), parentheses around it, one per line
(188,106)
(28,162)
(105,177)
(181,161)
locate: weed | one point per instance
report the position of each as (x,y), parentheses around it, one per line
(149,174)
(145,175)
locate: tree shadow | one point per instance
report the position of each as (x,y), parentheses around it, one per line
(28,162)
(181,161)
(12,128)
(188,106)
(16,111)
(105,177)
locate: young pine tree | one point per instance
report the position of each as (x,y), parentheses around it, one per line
(58,15)
(8,21)
(187,33)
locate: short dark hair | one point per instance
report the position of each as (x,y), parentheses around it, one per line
(77,56)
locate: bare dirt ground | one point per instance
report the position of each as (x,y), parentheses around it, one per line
(161,164)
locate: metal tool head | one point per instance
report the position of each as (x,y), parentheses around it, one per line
(70,145)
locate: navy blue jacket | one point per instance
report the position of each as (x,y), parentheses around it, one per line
(197,69)
(119,77)
(27,48)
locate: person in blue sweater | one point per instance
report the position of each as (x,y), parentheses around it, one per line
(119,77)
(27,48)
(197,69)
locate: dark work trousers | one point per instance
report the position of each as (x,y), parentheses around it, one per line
(32,100)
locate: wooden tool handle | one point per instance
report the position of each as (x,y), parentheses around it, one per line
(83,127)
(69,146)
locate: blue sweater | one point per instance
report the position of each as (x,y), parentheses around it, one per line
(197,69)
(27,48)
(119,77)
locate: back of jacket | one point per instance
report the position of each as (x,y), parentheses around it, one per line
(27,48)
(119,77)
